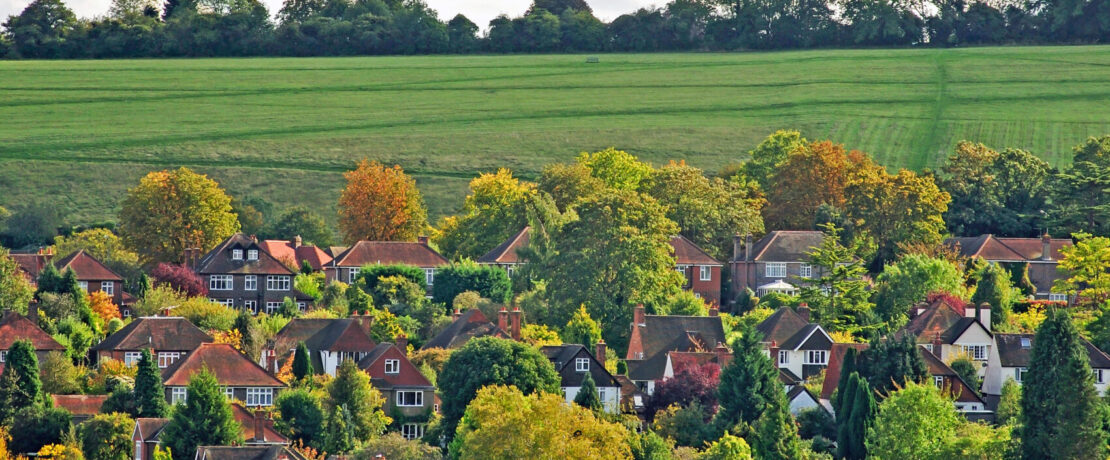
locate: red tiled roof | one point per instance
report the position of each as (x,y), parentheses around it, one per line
(374,365)
(506,253)
(149,427)
(836,359)
(688,253)
(389,252)
(162,333)
(956,385)
(219,261)
(14,326)
(246,421)
(230,367)
(86,267)
(287,250)
(31,264)
(993,248)
(80,404)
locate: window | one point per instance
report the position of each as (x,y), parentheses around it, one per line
(272,307)
(681,269)
(260,397)
(976,352)
(251,305)
(132,358)
(229,392)
(938,381)
(784,357)
(429,276)
(928,346)
(412,431)
(705,273)
(252,254)
(219,283)
(582,364)
(1098,376)
(3,355)
(776,270)
(277,283)
(224,302)
(807,271)
(177,395)
(165,358)
(1019,374)
(84,285)
(138,450)
(1026,343)
(510,270)
(392,366)
(126,312)
(352,274)
(410,398)
(250,282)
(302,306)
(1057,297)
(236,254)
(817,357)
(108,287)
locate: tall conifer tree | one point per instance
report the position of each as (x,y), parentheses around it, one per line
(150,396)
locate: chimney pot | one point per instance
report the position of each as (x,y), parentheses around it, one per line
(503,319)
(599,352)
(748,247)
(259,435)
(1046,246)
(422,239)
(514,318)
(297,241)
(737,244)
(985,315)
(723,355)
(456,314)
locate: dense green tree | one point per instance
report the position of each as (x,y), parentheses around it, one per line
(300,416)
(994,289)
(1009,404)
(896,210)
(489,281)
(892,363)
(776,434)
(848,364)
(302,362)
(907,282)
(37,426)
(351,391)
(107,437)
(587,394)
(568,183)
(1060,408)
(36,223)
(1087,281)
(968,370)
(42,30)
(616,168)
(15,292)
(302,221)
(749,385)
(20,387)
(648,445)
(1081,196)
(559,6)
(839,293)
(462,34)
(581,329)
(765,158)
(916,421)
(150,395)
(204,419)
(491,361)
(339,435)
(250,336)
(1002,193)
(857,412)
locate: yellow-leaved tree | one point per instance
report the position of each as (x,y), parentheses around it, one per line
(380,204)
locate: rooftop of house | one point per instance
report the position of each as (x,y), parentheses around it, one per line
(160,333)
(782,246)
(959,389)
(389,252)
(407,376)
(836,359)
(247,425)
(221,260)
(1014,350)
(938,319)
(32,264)
(295,252)
(338,334)
(506,252)
(230,367)
(84,405)
(658,335)
(786,328)
(688,253)
(991,247)
(14,326)
(86,267)
(563,357)
(470,324)
(247,453)
(149,428)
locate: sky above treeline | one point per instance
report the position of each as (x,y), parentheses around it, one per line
(479,11)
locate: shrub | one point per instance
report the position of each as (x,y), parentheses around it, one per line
(490,282)
(179,277)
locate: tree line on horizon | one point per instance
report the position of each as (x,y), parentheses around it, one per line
(48,29)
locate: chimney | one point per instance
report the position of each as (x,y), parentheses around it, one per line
(774,349)
(748,247)
(599,352)
(803,311)
(402,343)
(503,319)
(456,314)
(297,241)
(985,315)
(638,315)
(713,310)
(514,318)
(736,245)
(259,434)
(1046,246)
(970,311)
(937,345)
(724,356)
(422,240)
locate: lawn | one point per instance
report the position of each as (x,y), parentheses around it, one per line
(76,134)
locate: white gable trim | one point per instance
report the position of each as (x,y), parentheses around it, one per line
(818,328)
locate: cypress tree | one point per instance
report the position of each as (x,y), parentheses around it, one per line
(150,396)
(587,395)
(20,387)
(994,289)
(205,419)
(892,362)
(749,384)
(339,436)
(143,287)
(776,434)
(302,364)
(847,367)
(50,280)
(862,417)
(248,333)
(1061,410)
(847,399)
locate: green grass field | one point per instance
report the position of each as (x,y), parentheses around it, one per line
(78,133)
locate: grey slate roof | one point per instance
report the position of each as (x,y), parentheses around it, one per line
(219,261)
(785,246)
(563,356)
(157,332)
(470,324)
(1011,353)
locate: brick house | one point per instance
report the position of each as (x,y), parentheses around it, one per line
(14,326)
(329,342)
(241,274)
(247,453)
(654,336)
(409,396)
(778,262)
(505,255)
(240,378)
(470,324)
(168,338)
(257,431)
(347,264)
(1042,254)
(32,264)
(572,363)
(294,253)
(91,273)
(795,344)
(701,272)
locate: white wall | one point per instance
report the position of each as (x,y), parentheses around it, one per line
(611,400)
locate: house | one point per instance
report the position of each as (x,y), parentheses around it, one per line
(257,431)
(293,253)
(94,276)
(1009,359)
(168,338)
(145,436)
(778,262)
(572,363)
(32,264)
(654,336)
(796,344)
(346,265)
(406,391)
(241,379)
(965,398)
(240,273)
(950,330)
(470,324)
(701,271)
(800,399)
(506,255)
(1042,254)
(329,342)
(81,407)
(247,453)
(14,326)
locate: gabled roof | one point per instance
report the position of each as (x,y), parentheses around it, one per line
(80,404)
(506,253)
(247,420)
(389,252)
(662,334)
(470,324)
(219,261)
(14,326)
(939,319)
(283,250)
(958,387)
(149,428)
(160,333)
(31,264)
(341,334)
(247,453)
(836,359)
(788,377)
(1014,350)
(781,326)
(408,375)
(785,246)
(230,367)
(993,248)
(86,267)
(688,253)
(563,356)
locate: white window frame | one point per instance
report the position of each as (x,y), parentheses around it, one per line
(252,254)
(221,282)
(1055,297)
(784,357)
(138,450)
(352,273)
(976,352)
(681,269)
(705,273)
(250,283)
(806,271)
(928,346)
(167,358)
(131,358)
(819,357)
(126,312)
(178,395)
(775,270)
(108,287)
(1100,376)
(581,364)
(278,283)
(1019,374)
(938,381)
(272,307)
(84,285)
(412,431)
(510,270)
(251,305)
(259,396)
(229,392)
(429,276)
(392,366)
(236,254)
(302,306)
(3,355)
(418,399)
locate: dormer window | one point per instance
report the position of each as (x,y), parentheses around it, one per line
(1026,343)
(236,254)
(582,364)
(252,254)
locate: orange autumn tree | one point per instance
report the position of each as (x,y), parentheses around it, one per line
(380,204)
(811,176)
(102,304)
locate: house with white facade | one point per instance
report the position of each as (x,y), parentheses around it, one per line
(949,329)
(1009,359)
(796,345)
(573,362)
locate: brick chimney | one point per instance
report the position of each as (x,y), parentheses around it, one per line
(714,311)
(803,311)
(514,319)
(774,349)
(259,434)
(599,352)
(422,239)
(503,319)
(297,241)
(748,247)
(402,342)
(33,311)
(1046,246)
(985,315)
(724,355)
(456,314)
(638,315)
(737,244)
(937,345)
